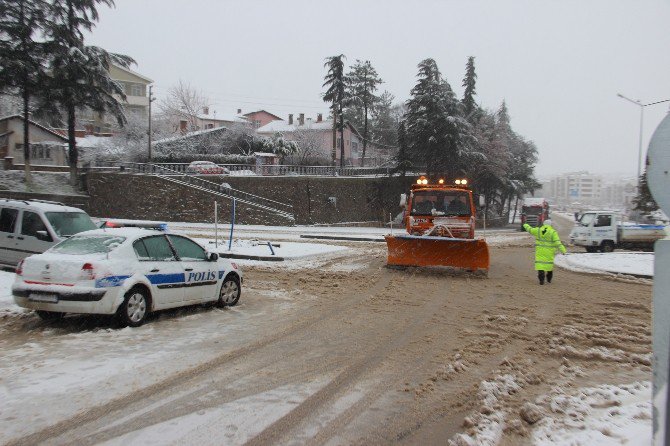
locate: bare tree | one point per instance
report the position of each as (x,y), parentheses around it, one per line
(183,103)
(310,146)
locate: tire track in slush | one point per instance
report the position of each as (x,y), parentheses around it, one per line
(184,376)
(401,338)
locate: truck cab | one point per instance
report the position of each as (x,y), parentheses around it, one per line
(595,231)
(604,231)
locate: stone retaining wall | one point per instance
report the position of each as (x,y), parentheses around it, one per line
(314,199)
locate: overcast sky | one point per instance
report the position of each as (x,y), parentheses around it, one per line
(558,64)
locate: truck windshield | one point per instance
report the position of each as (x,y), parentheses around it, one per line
(441,202)
(586,219)
(531,210)
(88,244)
(69,223)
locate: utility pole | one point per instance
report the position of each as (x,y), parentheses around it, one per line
(151,99)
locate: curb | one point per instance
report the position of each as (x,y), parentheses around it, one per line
(350,239)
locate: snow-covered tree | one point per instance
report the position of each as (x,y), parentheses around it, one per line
(362,81)
(23,58)
(437,134)
(644,201)
(80,73)
(385,120)
(280,146)
(469,81)
(336,94)
(183,103)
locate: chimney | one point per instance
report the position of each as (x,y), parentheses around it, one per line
(239,111)
(319,117)
(290,119)
(205,110)
(301,119)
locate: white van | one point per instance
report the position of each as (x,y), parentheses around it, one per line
(32,227)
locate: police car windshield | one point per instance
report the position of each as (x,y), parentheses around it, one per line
(440,202)
(69,223)
(88,244)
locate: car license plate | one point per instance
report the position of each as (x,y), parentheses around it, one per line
(50,298)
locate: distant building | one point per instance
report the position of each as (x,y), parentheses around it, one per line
(317,137)
(136,104)
(47,147)
(573,187)
(259,118)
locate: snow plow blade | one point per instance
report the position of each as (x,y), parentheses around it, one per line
(412,250)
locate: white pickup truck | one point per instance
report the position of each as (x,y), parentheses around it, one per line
(604,231)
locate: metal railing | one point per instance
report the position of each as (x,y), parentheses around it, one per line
(251,169)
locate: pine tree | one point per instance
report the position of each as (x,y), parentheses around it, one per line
(384,124)
(80,73)
(336,95)
(22,58)
(469,82)
(402,159)
(362,81)
(644,201)
(438,135)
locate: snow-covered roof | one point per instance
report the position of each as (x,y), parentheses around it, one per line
(128,232)
(284,126)
(6,118)
(40,205)
(190,134)
(223,118)
(134,73)
(533,201)
(92,141)
(263,111)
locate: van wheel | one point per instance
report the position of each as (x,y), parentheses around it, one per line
(50,316)
(230,292)
(607,246)
(134,309)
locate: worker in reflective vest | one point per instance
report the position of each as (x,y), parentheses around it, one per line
(547,243)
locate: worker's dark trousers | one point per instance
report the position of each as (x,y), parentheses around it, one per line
(540,275)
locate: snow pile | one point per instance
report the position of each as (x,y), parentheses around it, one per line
(44,182)
(485,427)
(632,263)
(604,415)
(7,305)
(264,248)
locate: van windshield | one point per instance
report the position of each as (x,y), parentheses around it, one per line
(88,244)
(69,223)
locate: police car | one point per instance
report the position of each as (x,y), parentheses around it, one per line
(129,272)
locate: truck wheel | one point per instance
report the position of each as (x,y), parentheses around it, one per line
(607,246)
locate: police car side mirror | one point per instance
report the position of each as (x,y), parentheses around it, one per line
(212,257)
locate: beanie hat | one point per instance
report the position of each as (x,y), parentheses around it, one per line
(547,222)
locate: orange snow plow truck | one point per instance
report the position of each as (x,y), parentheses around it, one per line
(440,223)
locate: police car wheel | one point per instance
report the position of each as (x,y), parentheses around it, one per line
(230,292)
(50,315)
(134,309)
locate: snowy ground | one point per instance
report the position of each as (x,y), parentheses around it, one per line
(36,373)
(42,182)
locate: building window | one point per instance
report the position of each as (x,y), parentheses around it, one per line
(257,123)
(136,90)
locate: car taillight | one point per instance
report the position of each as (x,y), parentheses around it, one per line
(19,268)
(87,272)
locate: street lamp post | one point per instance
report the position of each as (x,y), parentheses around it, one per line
(639,149)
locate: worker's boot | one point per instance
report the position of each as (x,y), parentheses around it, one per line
(540,276)
(550,274)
